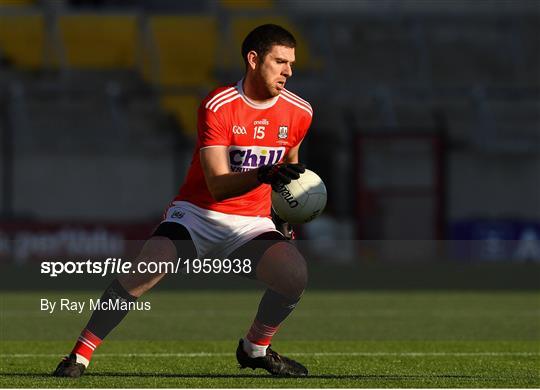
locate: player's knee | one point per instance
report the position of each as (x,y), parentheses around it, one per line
(284,270)
(293,280)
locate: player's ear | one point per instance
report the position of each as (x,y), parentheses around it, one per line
(252,59)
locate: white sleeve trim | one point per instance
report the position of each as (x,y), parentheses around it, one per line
(214,146)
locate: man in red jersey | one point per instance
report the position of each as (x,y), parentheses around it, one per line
(249,134)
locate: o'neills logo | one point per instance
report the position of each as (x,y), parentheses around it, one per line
(287,196)
(263,122)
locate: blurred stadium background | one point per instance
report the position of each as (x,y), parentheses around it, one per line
(426,133)
(426,127)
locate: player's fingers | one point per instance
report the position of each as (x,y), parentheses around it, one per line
(290,172)
(276,186)
(299,167)
(284,178)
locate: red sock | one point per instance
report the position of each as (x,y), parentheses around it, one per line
(261,334)
(85,346)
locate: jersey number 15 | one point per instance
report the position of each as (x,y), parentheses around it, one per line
(258,132)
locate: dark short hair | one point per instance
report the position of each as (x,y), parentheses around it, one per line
(262,38)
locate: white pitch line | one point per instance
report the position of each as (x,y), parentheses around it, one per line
(217,354)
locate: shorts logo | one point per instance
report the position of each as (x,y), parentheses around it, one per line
(245,158)
(239,130)
(178,214)
(283,132)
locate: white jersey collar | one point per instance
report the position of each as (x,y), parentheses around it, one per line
(251,103)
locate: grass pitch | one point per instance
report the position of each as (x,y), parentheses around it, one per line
(346,339)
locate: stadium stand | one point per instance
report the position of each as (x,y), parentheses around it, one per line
(471,45)
(249,5)
(174,59)
(184,109)
(403,67)
(183,60)
(22,40)
(99,41)
(16,3)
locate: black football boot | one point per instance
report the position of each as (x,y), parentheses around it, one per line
(69,367)
(273,362)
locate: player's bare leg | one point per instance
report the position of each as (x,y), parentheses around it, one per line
(155,249)
(283,269)
(126,288)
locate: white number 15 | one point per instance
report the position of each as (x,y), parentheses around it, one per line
(258,132)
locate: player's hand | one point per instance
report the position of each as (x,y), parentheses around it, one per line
(278,174)
(283,226)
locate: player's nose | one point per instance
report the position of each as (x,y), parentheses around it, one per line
(287,71)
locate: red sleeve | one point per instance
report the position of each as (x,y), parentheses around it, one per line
(211,130)
(305,123)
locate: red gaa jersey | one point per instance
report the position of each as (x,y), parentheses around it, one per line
(255,134)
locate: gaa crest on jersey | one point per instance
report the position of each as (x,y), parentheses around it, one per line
(283,132)
(239,130)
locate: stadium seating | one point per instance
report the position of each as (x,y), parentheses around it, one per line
(99,41)
(16,3)
(184,110)
(382,69)
(436,50)
(181,61)
(243,5)
(465,52)
(375,51)
(22,40)
(185,49)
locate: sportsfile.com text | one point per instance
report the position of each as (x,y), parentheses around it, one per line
(114,265)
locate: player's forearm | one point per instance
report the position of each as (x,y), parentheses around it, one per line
(232,184)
